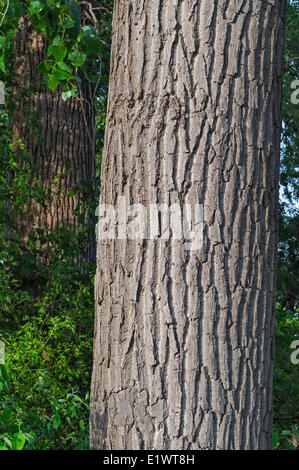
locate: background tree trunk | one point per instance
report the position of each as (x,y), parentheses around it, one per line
(58,136)
(184,340)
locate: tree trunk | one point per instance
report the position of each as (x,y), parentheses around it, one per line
(58,136)
(184,340)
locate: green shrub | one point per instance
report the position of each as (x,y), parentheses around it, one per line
(42,420)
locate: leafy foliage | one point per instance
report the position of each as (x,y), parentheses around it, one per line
(78,43)
(286,386)
(46,321)
(58,423)
(288,265)
(286,439)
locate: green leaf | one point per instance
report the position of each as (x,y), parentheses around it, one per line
(275,439)
(3,42)
(81,424)
(62,75)
(74,9)
(77,58)
(2,63)
(7,442)
(56,421)
(93,45)
(18,441)
(59,52)
(6,414)
(3,372)
(57,41)
(35,7)
(44,67)
(51,81)
(68,23)
(65,67)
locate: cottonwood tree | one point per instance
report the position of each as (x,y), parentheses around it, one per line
(57,136)
(184,340)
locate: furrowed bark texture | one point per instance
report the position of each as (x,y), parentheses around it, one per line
(183,351)
(58,136)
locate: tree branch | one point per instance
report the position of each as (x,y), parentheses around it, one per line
(4,13)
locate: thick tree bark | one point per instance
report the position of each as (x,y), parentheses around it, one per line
(184,340)
(58,136)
